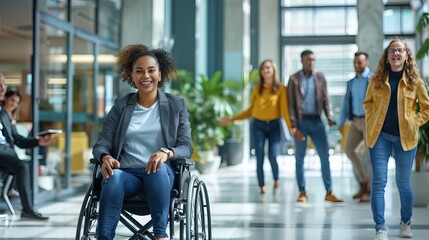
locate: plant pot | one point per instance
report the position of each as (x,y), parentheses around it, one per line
(232,151)
(419,182)
(209,162)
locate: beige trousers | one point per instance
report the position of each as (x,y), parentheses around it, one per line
(355,135)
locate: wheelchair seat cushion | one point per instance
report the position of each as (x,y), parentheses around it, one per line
(137,204)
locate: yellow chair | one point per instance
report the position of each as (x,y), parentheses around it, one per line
(79,143)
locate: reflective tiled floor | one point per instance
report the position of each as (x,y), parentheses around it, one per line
(240,212)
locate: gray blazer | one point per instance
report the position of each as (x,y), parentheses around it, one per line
(174,125)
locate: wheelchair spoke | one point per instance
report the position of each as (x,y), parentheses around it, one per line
(202,213)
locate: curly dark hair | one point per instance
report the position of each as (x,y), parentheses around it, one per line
(383,68)
(128,56)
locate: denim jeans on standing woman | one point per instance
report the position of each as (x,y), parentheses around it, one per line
(263,130)
(126,183)
(380,153)
(316,130)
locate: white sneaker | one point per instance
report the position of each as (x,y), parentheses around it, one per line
(381,235)
(405,230)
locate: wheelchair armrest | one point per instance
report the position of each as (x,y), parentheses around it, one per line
(178,162)
(183,161)
(94,161)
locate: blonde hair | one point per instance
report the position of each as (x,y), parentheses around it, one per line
(276,81)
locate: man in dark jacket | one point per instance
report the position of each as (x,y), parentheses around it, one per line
(308,98)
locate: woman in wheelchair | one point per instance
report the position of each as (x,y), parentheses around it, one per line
(141,133)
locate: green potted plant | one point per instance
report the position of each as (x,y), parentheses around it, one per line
(206,101)
(421,25)
(233,149)
(420,177)
(423,142)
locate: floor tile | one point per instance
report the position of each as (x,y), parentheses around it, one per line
(240,212)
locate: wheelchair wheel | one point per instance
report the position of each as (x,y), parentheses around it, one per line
(87,221)
(198,216)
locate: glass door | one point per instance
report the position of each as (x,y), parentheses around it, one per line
(52,93)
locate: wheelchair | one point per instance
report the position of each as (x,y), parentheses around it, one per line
(189,214)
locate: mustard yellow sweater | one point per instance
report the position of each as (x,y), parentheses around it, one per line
(267,106)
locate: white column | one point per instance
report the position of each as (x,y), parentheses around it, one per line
(370,35)
(269,31)
(137,22)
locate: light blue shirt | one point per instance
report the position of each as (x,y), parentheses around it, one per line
(358,92)
(309,101)
(143,137)
(352,104)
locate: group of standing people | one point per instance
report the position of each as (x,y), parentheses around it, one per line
(381,108)
(300,105)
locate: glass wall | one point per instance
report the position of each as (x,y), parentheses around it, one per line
(291,3)
(398,20)
(303,21)
(83,14)
(54,8)
(73,75)
(109,20)
(52,87)
(15,52)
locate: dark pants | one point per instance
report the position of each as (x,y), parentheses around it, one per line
(316,130)
(10,163)
(263,130)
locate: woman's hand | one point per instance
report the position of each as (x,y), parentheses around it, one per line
(156,161)
(44,140)
(298,135)
(109,163)
(225,121)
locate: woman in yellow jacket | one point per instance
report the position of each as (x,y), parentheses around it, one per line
(392,126)
(269,105)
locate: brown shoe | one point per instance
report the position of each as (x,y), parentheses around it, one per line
(330,197)
(302,197)
(366,197)
(262,190)
(276,184)
(362,190)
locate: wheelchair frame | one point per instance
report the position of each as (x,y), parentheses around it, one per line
(189,208)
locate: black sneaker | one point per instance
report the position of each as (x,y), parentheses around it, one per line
(33,216)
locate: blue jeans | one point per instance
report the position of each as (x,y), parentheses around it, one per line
(263,130)
(316,130)
(380,154)
(125,183)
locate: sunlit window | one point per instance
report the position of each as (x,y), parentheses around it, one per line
(319,21)
(291,3)
(398,21)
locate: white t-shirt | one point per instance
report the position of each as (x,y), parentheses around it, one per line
(143,137)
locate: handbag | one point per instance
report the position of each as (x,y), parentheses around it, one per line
(284,132)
